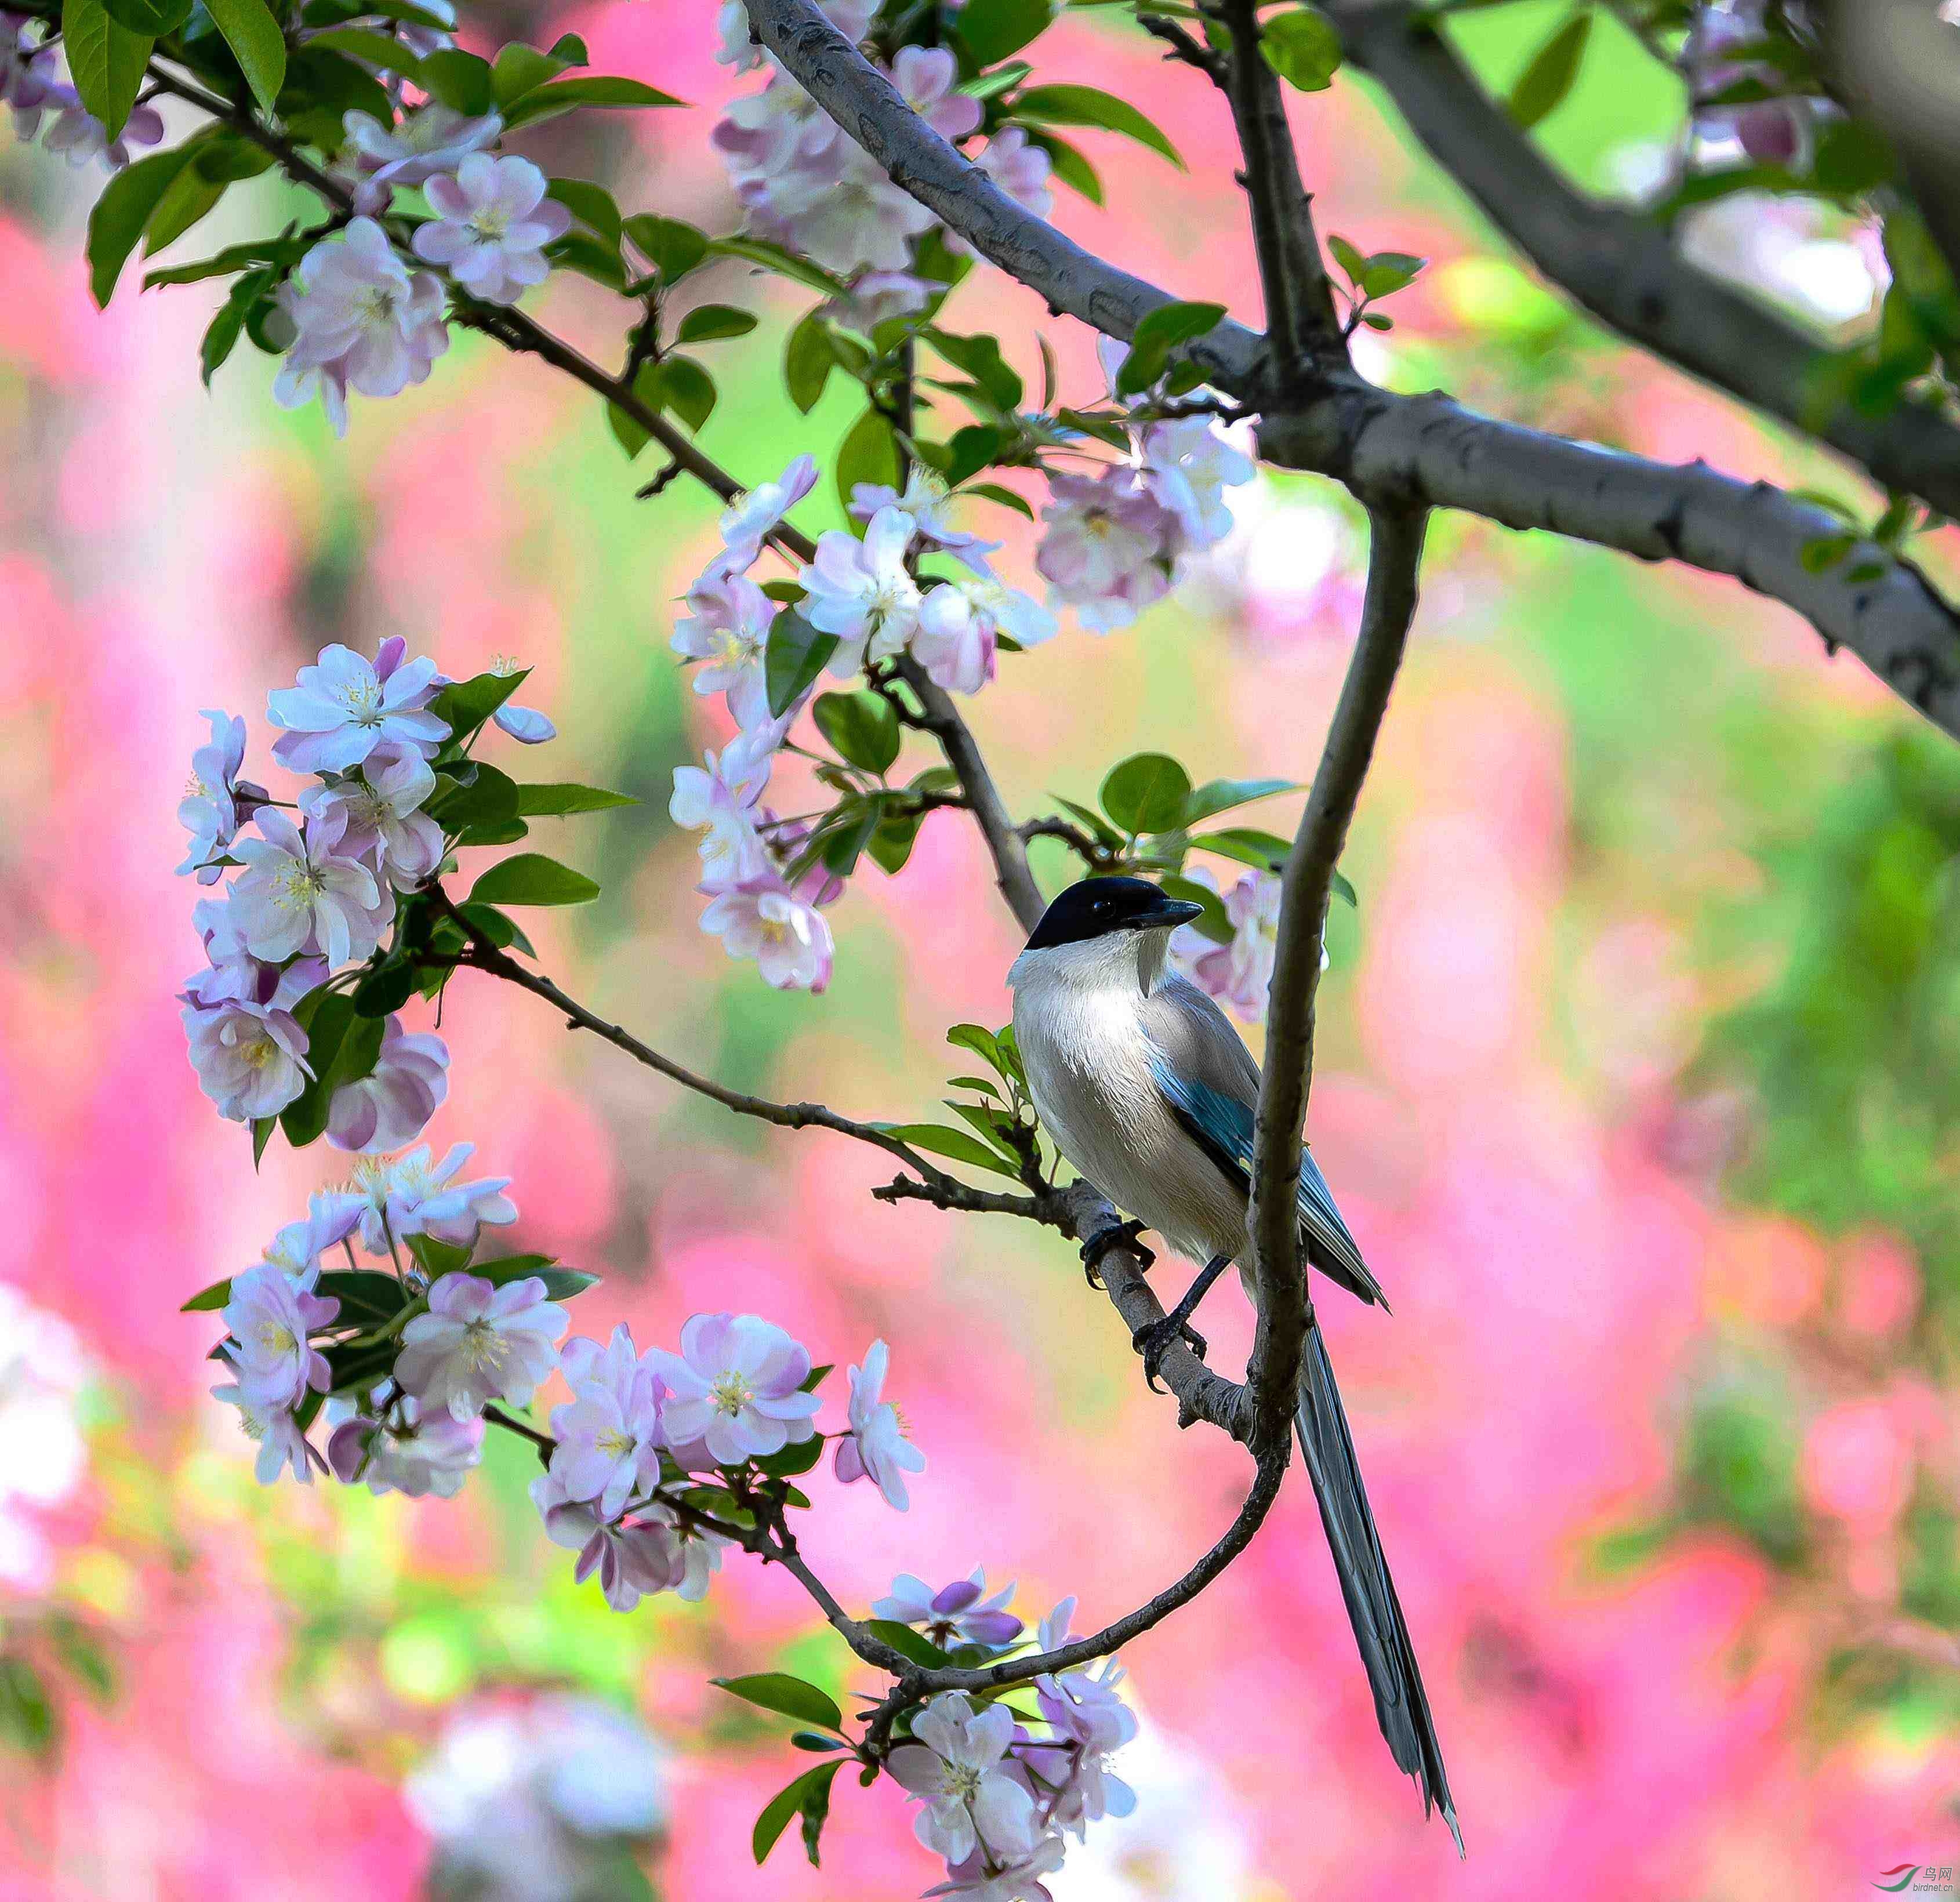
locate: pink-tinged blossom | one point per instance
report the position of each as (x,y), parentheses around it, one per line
(480,1343)
(926,78)
(720,798)
(633,1558)
(609,1433)
(1107,552)
(405,1450)
(954,642)
(957,1614)
(209,810)
(981,1878)
(493,222)
(761,918)
(1020,168)
(234,975)
(409,1196)
(736,1387)
(875,1448)
(250,1058)
(749,521)
(269,1318)
(380,817)
(298,892)
(726,629)
(1240,972)
(875,296)
(930,504)
(331,1217)
(525,724)
(391,1107)
(735,47)
(1189,464)
(360,318)
(432,139)
(862,592)
(345,708)
(282,1443)
(79,136)
(957,1769)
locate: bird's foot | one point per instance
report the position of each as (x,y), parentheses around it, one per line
(1154,1341)
(1115,1234)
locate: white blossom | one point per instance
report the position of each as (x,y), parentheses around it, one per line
(250,1058)
(609,1433)
(346,708)
(493,222)
(409,1196)
(391,1106)
(209,811)
(401,1448)
(270,1318)
(862,592)
(736,1387)
(298,892)
(480,1343)
(875,1448)
(378,808)
(762,918)
(957,1769)
(1188,463)
(727,628)
(282,1443)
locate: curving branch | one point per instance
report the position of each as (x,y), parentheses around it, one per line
(1623,267)
(1401,450)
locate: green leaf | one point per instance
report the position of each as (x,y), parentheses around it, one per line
(773,257)
(556,798)
(710,323)
(686,389)
(191,196)
(488,798)
(460,80)
(1099,828)
(385,989)
(153,18)
(122,212)
(1071,166)
(1216,924)
(262,1133)
(977,1038)
(795,1459)
(980,358)
(776,1690)
(891,845)
(1852,159)
(854,822)
(1303,47)
(255,39)
(671,247)
(1091,106)
(466,704)
(592,205)
(1542,86)
(27,1719)
(529,877)
(1388,272)
(955,1144)
(596,89)
(498,927)
(105,60)
(1165,329)
(368,1298)
(868,453)
(218,1295)
(1218,796)
(1267,851)
(342,1047)
(907,1642)
(808,361)
(519,69)
(994,492)
(990,29)
(809,1795)
(233,257)
(795,653)
(378,49)
(863,727)
(438,1258)
(1146,793)
(810,1740)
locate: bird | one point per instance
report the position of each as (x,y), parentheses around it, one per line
(1145,1087)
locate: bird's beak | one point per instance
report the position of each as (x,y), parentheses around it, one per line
(1168,911)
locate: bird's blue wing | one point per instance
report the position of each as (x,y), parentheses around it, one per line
(1222,1126)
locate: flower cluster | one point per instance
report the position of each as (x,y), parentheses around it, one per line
(807,185)
(1720,55)
(998,1799)
(31,85)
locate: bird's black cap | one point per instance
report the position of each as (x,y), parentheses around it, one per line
(1097,907)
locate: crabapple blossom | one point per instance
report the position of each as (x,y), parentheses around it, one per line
(232,974)
(727,628)
(930,502)
(981,1879)
(250,1058)
(299,892)
(525,724)
(361,320)
(209,810)
(282,1443)
(926,78)
(720,798)
(1188,463)
(270,1317)
(1022,169)
(378,809)
(345,706)
(1107,553)
(862,591)
(737,48)
(432,139)
(748,521)
(1090,1723)
(391,1106)
(958,1769)
(875,295)
(407,1196)
(478,1342)
(609,1434)
(400,1449)
(875,1448)
(762,918)
(954,642)
(1240,972)
(735,1387)
(957,1614)
(330,1218)
(79,136)
(493,222)
(633,1558)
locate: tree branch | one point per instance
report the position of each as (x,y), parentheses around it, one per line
(1286,1308)
(1623,267)
(1405,450)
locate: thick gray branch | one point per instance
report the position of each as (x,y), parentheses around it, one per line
(1624,267)
(1286,1310)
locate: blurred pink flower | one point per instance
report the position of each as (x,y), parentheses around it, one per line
(1857,1466)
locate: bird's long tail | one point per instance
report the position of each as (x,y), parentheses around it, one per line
(1401,1706)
